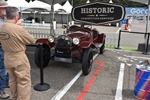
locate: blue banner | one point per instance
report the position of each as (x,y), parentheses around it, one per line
(141,11)
(124,21)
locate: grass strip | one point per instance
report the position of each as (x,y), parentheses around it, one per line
(122,48)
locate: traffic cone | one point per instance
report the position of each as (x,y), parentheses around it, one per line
(126,27)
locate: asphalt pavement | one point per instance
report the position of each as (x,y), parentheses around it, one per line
(112,76)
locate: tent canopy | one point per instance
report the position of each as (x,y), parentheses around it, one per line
(67,7)
(25,5)
(52,1)
(57,6)
(38,5)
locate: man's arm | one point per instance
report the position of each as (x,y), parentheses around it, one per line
(19,22)
(24,36)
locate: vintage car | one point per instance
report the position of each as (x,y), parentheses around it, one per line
(77,43)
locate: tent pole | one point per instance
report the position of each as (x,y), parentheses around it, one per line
(147,23)
(40,18)
(21,12)
(51,20)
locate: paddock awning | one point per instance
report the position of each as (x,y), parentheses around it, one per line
(52,1)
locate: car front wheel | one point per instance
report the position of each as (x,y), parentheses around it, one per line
(46,56)
(87,61)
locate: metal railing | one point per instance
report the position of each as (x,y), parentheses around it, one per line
(36,25)
(146,43)
(110,41)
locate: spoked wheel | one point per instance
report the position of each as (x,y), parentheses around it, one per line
(87,61)
(46,56)
(102,48)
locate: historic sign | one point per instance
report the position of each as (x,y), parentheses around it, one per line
(98,13)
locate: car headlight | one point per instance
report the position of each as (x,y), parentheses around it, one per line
(50,38)
(76,41)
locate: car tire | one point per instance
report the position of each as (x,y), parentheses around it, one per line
(101,50)
(87,61)
(46,56)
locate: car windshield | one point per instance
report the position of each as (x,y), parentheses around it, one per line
(81,31)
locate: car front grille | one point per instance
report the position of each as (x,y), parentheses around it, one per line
(64,41)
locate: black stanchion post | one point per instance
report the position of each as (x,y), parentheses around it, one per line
(41,86)
(119,37)
(147,43)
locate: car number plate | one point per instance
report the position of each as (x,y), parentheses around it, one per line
(63,59)
(69,60)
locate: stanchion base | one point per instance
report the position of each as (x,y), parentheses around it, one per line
(146,53)
(41,87)
(117,48)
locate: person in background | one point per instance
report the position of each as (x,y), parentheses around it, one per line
(130,23)
(4,78)
(14,39)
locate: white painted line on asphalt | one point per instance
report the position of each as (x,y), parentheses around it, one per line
(64,90)
(120,83)
(118,30)
(95,56)
(139,57)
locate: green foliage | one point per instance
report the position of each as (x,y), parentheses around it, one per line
(29,0)
(122,48)
(43,18)
(126,3)
(69,17)
(54,19)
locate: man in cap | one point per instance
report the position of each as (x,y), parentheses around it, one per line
(3,74)
(14,39)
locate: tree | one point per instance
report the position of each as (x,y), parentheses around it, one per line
(126,3)
(25,0)
(29,0)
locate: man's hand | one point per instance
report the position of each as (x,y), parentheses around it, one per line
(19,22)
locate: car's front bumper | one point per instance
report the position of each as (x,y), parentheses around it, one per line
(63,55)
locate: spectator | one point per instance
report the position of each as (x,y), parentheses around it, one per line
(130,23)
(14,39)
(3,73)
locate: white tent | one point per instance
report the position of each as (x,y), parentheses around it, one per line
(57,6)
(37,4)
(52,1)
(67,7)
(23,5)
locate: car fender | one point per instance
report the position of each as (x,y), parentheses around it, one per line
(100,39)
(86,44)
(102,36)
(44,41)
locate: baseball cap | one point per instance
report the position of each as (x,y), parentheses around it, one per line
(3,3)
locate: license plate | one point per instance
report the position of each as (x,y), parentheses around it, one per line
(69,60)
